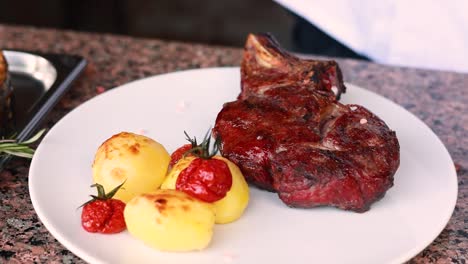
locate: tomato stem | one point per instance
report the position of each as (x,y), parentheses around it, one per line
(204,149)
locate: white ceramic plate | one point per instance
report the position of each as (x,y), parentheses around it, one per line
(403,223)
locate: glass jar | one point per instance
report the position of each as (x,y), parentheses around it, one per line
(6,100)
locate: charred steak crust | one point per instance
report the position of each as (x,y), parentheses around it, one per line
(288,133)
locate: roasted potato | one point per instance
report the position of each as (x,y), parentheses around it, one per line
(229,208)
(138,160)
(170,220)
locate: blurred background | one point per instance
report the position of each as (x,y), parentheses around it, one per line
(211,22)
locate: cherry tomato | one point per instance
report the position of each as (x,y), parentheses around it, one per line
(103,214)
(179,154)
(206,179)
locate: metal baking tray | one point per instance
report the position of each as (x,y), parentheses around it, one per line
(39,80)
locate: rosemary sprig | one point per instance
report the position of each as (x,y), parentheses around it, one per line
(19,149)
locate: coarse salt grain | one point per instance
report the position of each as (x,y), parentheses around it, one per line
(353,108)
(280,149)
(363,121)
(100,89)
(181,106)
(228,257)
(334,89)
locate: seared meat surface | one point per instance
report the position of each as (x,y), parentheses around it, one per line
(289,134)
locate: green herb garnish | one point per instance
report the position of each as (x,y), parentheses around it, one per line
(19,149)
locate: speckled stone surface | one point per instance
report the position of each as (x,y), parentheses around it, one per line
(440,99)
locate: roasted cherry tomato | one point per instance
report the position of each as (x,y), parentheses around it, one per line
(179,154)
(103,214)
(204,175)
(206,179)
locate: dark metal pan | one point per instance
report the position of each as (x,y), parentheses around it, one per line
(38,81)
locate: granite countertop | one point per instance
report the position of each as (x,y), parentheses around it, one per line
(438,98)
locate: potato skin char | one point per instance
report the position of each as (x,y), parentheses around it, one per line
(138,160)
(170,220)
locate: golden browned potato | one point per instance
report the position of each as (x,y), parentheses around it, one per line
(170,220)
(173,174)
(138,160)
(229,208)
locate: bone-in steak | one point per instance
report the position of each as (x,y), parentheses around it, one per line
(289,134)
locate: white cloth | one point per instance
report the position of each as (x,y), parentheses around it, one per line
(420,33)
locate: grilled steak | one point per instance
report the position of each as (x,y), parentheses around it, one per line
(289,134)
